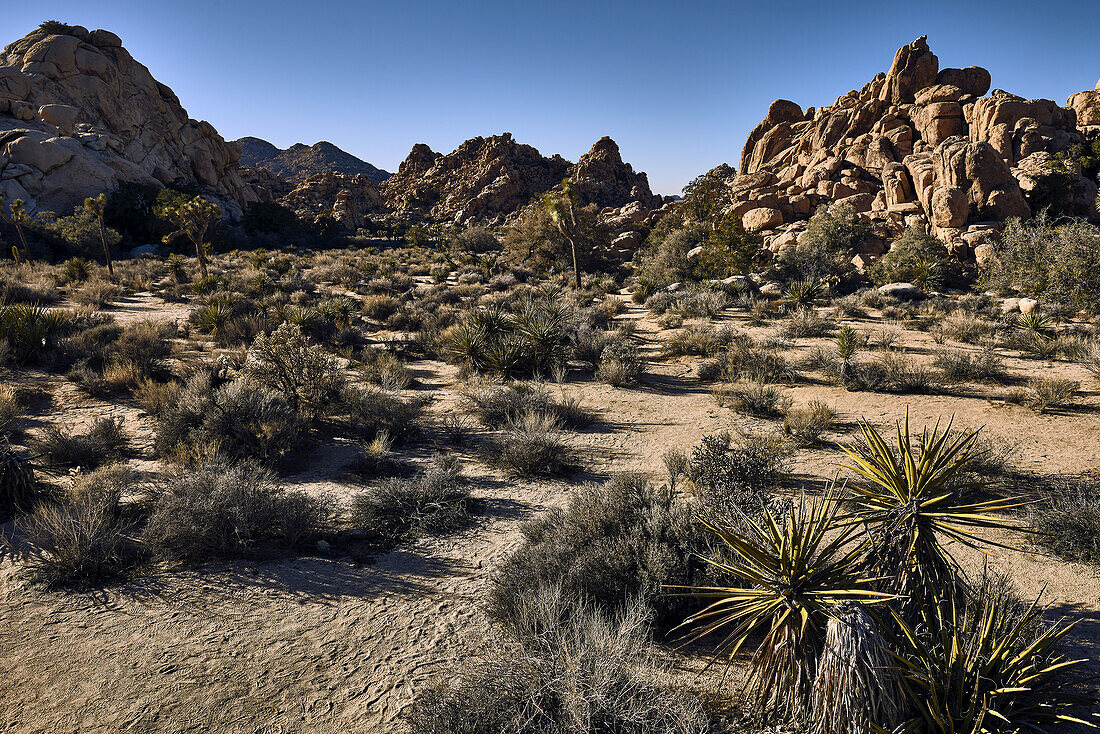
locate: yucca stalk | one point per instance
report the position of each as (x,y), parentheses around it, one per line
(911,502)
(993,674)
(793,570)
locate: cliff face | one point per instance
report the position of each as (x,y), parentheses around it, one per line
(916,145)
(300,162)
(488,177)
(78,115)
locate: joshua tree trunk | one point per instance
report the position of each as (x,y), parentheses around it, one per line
(106,250)
(576,269)
(200,255)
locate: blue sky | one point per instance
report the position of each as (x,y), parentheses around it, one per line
(678,84)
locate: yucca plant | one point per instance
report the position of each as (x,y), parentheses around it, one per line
(19,491)
(543,327)
(792,571)
(912,501)
(987,670)
(803,293)
(1036,323)
(29,329)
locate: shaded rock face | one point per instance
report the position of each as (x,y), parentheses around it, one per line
(485,178)
(78,116)
(918,145)
(347,198)
(300,162)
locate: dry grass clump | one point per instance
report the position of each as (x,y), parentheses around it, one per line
(563,667)
(11,411)
(805,424)
(1045,393)
(217,510)
(620,364)
(385,368)
(753,398)
(704,341)
(75,543)
(958,365)
(498,405)
(1067,520)
(435,501)
(806,323)
(62,448)
(98,293)
(531,444)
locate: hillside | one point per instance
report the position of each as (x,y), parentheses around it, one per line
(300,161)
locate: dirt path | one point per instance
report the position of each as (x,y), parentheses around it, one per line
(319,645)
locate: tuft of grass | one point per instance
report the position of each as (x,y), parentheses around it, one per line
(1067,521)
(532,444)
(60,448)
(1045,393)
(806,423)
(958,365)
(754,398)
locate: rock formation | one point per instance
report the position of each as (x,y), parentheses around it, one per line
(917,145)
(485,178)
(347,198)
(78,115)
(300,162)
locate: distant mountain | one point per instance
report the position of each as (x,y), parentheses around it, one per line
(299,161)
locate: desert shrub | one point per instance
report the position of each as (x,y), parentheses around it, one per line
(475,239)
(237,420)
(98,293)
(612,542)
(1067,520)
(892,373)
(20,491)
(806,322)
(531,444)
(825,249)
(384,368)
(74,544)
(565,668)
(700,303)
(532,240)
(919,258)
(11,411)
(499,405)
(145,345)
(967,329)
(302,372)
(31,331)
(806,423)
(370,410)
(155,398)
(733,476)
(216,510)
(663,260)
(1043,393)
(380,307)
(435,501)
(1049,259)
(746,360)
(753,398)
(958,365)
(532,338)
(620,364)
(61,448)
(704,341)
(588,343)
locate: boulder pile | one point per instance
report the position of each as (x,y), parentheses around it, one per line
(78,116)
(918,145)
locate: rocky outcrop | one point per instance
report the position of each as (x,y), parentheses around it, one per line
(1087,107)
(300,162)
(78,115)
(487,178)
(917,145)
(349,199)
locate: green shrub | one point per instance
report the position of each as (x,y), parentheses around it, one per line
(31,331)
(825,249)
(302,372)
(918,258)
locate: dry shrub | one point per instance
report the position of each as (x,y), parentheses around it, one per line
(497,405)
(566,668)
(530,445)
(806,423)
(60,448)
(218,510)
(753,398)
(1067,521)
(74,543)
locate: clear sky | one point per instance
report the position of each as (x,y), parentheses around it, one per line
(678,84)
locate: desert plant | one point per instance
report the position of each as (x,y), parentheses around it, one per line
(11,410)
(30,331)
(75,543)
(806,423)
(912,501)
(794,570)
(620,364)
(532,444)
(1067,520)
(19,489)
(612,543)
(733,476)
(216,510)
(61,448)
(436,501)
(193,218)
(497,405)
(753,398)
(302,372)
(958,365)
(565,667)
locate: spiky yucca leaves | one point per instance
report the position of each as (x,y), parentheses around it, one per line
(856,690)
(802,293)
(793,570)
(911,501)
(987,670)
(19,491)
(29,329)
(542,326)
(1036,324)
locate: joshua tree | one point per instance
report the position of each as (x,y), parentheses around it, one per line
(16,215)
(562,207)
(194,219)
(97,205)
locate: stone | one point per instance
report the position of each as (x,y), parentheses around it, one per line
(145,251)
(915,67)
(984,254)
(1027,305)
(62,116)
(902,291)
(762,218)
(949,207)
(323,546)
(973,80)
(1010,305)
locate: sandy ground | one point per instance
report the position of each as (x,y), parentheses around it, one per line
(318,645)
